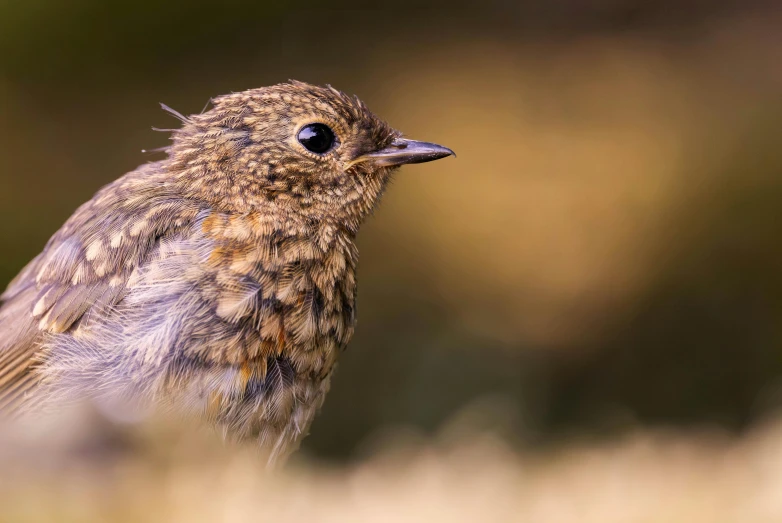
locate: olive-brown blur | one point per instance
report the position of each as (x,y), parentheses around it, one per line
(219,282)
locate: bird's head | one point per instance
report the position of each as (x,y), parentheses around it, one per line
(303,148)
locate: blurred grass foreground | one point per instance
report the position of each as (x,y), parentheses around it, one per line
(646,476)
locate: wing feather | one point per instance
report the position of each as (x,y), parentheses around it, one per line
(83,270)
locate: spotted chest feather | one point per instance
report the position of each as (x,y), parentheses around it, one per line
(288,282)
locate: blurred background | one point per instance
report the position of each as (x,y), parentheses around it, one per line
(586,302)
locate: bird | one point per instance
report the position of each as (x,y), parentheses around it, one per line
(218,282)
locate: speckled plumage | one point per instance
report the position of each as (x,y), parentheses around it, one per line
(219,282)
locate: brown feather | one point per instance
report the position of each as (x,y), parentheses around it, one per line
(19,339)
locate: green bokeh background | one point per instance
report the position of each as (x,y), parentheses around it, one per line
(604,252)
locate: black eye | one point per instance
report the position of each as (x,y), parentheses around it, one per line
(316,137)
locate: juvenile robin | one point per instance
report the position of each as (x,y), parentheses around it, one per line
(219,282)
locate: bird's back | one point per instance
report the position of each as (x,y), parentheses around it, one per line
(82,270)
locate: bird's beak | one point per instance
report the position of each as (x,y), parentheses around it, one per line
(403,151)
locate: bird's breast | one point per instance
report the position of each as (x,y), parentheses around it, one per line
(274,309)
(289,287)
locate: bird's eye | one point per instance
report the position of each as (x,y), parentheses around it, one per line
(316,137)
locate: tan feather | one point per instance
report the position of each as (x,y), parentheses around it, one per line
(19,342)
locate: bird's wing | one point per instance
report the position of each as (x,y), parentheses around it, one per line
(83,269)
